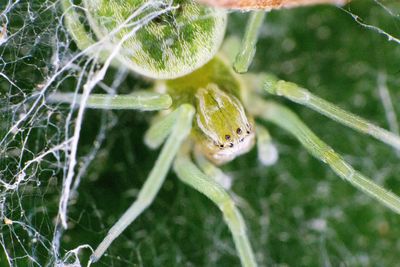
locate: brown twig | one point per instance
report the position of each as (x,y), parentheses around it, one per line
(268,4)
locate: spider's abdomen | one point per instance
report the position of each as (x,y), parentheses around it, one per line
(163,44)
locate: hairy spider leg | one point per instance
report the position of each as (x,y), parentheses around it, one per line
(191,175)
(304,97)
(248,47)
(288,120)
(178,132)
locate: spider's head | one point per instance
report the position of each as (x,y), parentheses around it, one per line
(224,129)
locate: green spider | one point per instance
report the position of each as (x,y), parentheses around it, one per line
(208,110)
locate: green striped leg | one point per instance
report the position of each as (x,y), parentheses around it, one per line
(213,171)
(75,28)
(248,47)
(289,121)
(304,97)
(140,100)
(178,132)
(191,175)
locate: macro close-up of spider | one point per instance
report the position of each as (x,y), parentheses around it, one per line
(212,104)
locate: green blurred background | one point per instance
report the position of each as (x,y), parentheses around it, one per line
(298,212)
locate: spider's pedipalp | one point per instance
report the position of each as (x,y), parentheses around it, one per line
(266,150)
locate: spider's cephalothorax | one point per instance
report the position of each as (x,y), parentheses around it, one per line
(222,128)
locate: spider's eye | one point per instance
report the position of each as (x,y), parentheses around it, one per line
(228,137)
(248,128)
(231,144)
(239,131)
(221,146)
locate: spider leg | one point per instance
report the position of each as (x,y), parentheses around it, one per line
(159,131)
(75,27)
(140,100)
(267,152)
(191,175)
(213,171)
(304,97)
(289,121)
(80,35)
(225,180)
(152,185)
(248,47)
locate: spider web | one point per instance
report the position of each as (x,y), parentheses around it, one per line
(47,150)
(40,163)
